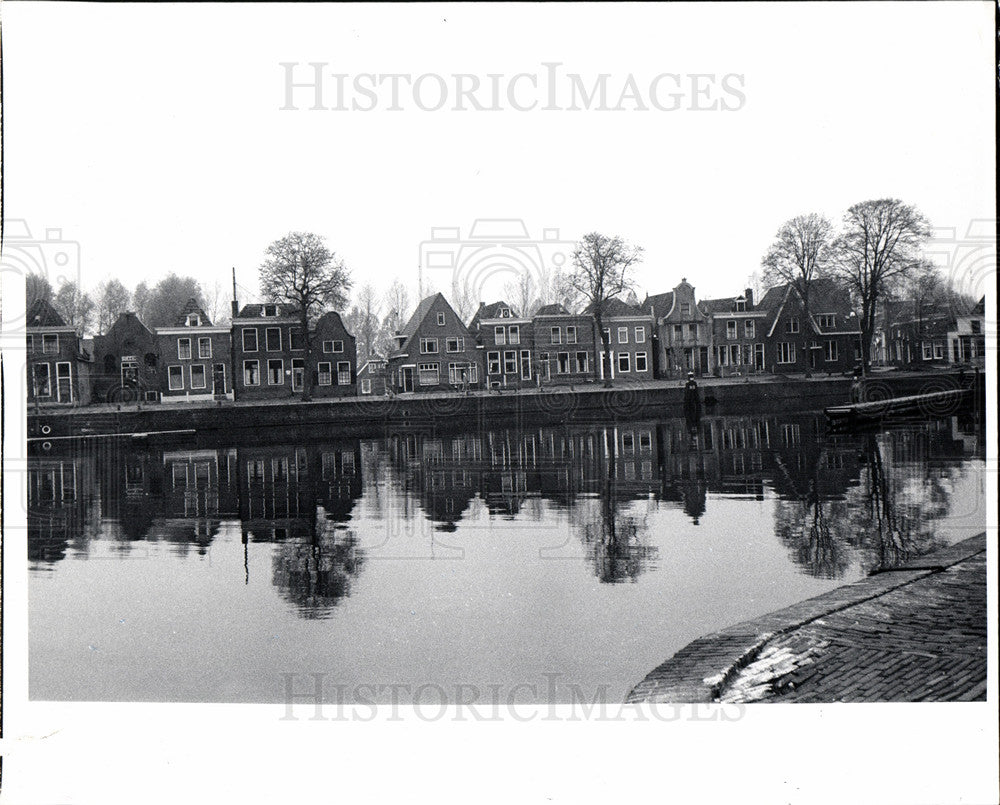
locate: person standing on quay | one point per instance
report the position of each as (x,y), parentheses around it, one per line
(692,401)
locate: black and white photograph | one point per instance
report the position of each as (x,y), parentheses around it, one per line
(499,402)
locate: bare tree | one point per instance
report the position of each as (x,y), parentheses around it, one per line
(800,255)
(113,299)
(879,248)
(216,305)
(602,269)
(75,307)
(301,271)
(36,287)
(397,311)
(368,319)
(167,299)
(463,300)
(925,288)
(522,294)
(140,300)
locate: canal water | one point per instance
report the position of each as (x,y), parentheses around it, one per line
(529,564)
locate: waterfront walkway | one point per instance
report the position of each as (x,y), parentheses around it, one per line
(915,633)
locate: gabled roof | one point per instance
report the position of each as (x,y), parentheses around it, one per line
(555,309)
(774,297)
(490,311)
(192,306)
(331,317)
(662,303)
(727,305)
(253,311)
(420,314)
(42,314)
(614,307)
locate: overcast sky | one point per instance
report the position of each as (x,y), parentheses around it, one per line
(154,135)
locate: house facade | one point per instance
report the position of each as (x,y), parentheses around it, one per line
(196,358)
(333,358)
(564,346)
(269,352)
(373,377)
(434,351)
(737,330)
(629,332)
(127,363)
(507,342)
(683,332)
(968,337)
(59,369)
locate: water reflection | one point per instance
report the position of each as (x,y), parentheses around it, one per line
(870,499)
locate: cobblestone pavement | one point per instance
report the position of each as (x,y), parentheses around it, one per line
(913,634)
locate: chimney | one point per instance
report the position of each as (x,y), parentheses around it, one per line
(749,295)
(236,305)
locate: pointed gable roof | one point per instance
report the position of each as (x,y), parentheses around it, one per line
(490,311)
(192,306)
(42,314)
(420,313)
(661,303)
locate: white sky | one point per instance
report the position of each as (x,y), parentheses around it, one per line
(152,135)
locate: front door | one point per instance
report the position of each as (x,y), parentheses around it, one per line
(298,373)
(219,379)
(407,378)
(64,384)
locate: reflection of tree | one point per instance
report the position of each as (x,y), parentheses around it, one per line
(315,574)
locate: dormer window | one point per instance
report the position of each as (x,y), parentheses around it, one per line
(741,305)
(269,310)
(440,319)
(504,313)
(193,320)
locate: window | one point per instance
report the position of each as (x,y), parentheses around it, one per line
(741,305)
(249,339)
(976,327)
(606,335)
(570,334)
(43,387)
(455,345)
(251,373)
(734,354)
(640,335)
(792,325)
(64,387)
(641,362)
(30,345)
(366,386)
(927,350)
(555,336)
(749,329)
(628,444)
(493,363)
(582,362)
(827,321)
(525,365)
(428,346)
(198,380)
(440,319)
(336,346)
(279,469)
(786,352)
(204,347)
(731,331)
(830,352)
(184,348)
(678,331)
(938,350)
(255,469)
(510,362)
(645,441)
(515,334)
(562,363)
(692,330)
(324,373)
(499,335)
(295,339)
(428,374)
(272,339)
(275,372)
(504,313)
(685,308)
(623,335)
(343,373)
(269,310)
(459,373)
(50,343)
(175,378)
(624,361)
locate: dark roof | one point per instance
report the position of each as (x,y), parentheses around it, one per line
(774,297)
(490,311)
(254,310)
(726,305)
(42,314)
(614,307)
(420,314)
(192,306)
(661,303)
(555,309)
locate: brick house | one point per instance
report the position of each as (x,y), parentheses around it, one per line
(829,340)
(269,352)
(59,369)
(333,358)
(507,341)
(630,334)
(127,362)
(564,345)
(737,330)
(373,377)
(683,332)
(196,358)
(434,351)
(968,337)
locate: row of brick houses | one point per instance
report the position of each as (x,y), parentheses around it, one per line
(261,354)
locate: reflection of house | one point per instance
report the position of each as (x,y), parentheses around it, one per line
(446,471)
(127,362)
(564,345)
(434,351)
(683,332)
(196,358)
(61,495)
(59,369)
(199,483)
(506,340)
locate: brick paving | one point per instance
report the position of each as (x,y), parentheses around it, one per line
(913,634)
